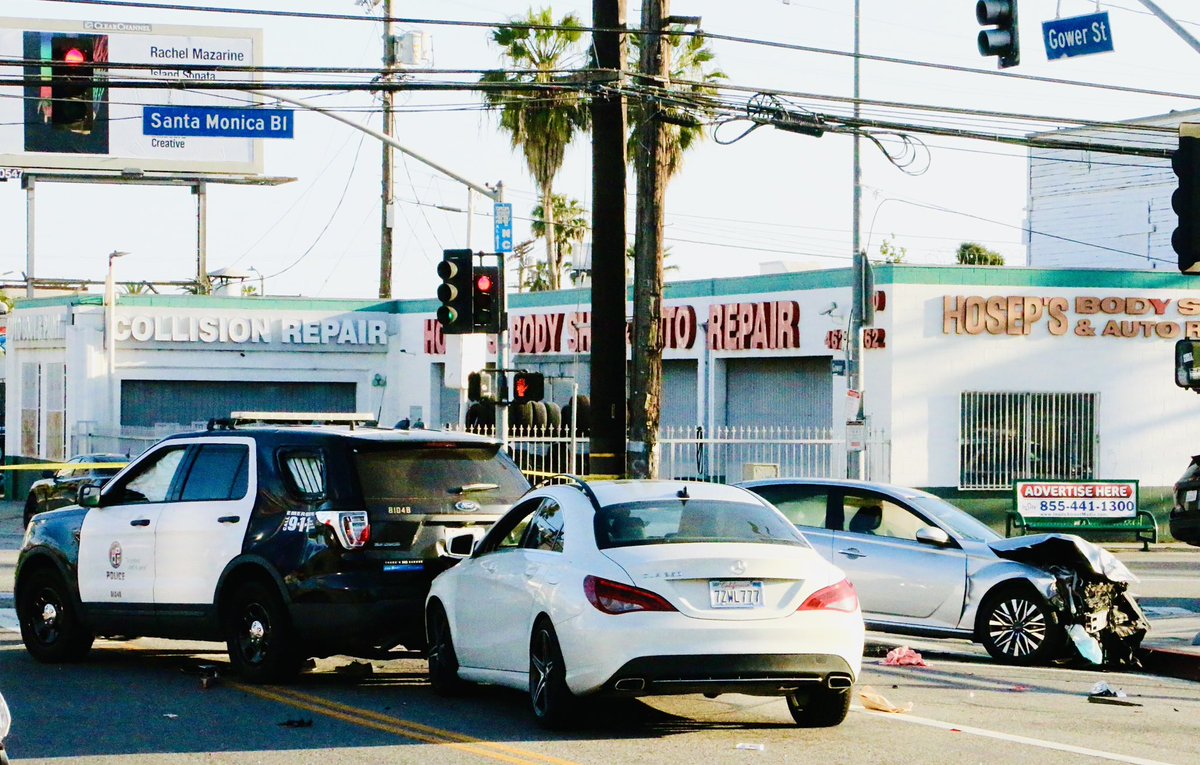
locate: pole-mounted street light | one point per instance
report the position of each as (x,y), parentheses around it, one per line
(110,321)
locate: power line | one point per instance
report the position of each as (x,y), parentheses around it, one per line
(332,216)
(633,31)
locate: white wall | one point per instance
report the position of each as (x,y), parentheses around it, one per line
(1146,425)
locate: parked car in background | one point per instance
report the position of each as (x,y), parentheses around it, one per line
(1185,515)
(286,541)
(645,588)
(59,488)
(924,567)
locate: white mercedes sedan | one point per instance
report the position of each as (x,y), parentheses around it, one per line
(641,588)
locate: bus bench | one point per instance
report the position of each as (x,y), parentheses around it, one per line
(1141,525)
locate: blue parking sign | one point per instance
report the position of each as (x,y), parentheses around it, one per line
(504,228)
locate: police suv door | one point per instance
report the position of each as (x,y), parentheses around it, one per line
(116,542)
(204,529)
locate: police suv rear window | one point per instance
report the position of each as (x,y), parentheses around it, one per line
(416,474)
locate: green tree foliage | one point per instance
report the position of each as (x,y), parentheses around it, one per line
(541,124)
(973,254)
(571,224)
(693,74)
(892,252)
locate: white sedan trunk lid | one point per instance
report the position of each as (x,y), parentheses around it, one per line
(727,581)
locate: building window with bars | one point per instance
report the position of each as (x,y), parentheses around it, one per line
(1006,437)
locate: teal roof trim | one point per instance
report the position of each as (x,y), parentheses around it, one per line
(1010,276)
(762,284)
(211,301)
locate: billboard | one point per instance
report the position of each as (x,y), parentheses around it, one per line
(67,116)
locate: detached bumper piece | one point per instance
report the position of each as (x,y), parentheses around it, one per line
(757,675)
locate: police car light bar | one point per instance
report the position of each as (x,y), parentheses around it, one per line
(306,418)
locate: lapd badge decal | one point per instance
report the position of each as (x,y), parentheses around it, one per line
(114,555)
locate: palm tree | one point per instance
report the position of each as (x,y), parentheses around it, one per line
(692,62)
(537,277)
(137,288)
(571,224)
(541,123)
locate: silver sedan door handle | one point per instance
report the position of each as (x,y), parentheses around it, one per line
(852,553)
(532,570)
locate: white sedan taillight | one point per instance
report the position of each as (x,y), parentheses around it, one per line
(836,597)
(616,598)
(352,528)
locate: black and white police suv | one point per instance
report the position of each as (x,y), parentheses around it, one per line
(286,541)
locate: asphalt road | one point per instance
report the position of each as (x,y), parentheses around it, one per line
(145,699)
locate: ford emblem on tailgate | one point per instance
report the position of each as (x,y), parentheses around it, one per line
(466,506)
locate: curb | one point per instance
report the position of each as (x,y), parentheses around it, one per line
(1184,665)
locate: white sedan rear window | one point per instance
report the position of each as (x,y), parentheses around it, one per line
(692,520)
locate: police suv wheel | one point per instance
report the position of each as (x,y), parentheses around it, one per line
(259,635)
(50,626)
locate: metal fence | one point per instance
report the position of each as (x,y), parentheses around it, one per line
(130,440)
(728,454)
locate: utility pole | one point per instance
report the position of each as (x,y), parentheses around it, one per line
(854,341)
(388,198)
(650,167)
(608,418)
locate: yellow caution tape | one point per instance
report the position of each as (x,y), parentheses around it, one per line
(61,465)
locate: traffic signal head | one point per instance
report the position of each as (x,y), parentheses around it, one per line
(528,386)
(1004,40)
(481,386)
(454,292)
(1186,199)
(72,80)
(487,299)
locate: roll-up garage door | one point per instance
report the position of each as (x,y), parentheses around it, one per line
(779,392)
(182,402)
(679,395)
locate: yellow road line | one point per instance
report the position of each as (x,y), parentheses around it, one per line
(416,731)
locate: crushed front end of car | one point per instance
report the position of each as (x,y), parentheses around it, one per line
(1101,618)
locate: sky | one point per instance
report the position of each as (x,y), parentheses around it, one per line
(772,196)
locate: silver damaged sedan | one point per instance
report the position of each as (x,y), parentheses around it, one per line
(924,567)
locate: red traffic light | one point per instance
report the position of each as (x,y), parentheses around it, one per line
(483,283)
(521,387)
(74,56)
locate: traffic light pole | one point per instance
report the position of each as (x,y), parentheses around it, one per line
(1175,26)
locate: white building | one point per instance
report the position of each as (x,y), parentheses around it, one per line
(1090,209)
(973,376)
